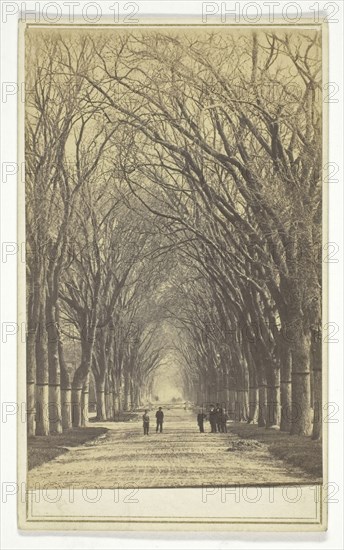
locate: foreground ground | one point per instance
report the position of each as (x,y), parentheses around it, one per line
(122,456)
(297,451)
(43,449)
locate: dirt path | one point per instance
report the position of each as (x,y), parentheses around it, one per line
(179,457)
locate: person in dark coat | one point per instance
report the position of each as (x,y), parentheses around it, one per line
(218,412)
(159,415)
(200,420)
(224,418)
(212,419)
(145,419)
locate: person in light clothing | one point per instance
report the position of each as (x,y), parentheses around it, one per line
(145,419)
(159,415)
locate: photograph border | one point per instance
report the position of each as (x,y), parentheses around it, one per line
(26,518)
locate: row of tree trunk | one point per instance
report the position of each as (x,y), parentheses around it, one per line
(281,397)
(56,401)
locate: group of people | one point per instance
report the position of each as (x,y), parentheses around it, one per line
(217,417)
(159,415)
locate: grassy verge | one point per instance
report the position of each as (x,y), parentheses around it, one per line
(296,450)
(123,416)
(43,449)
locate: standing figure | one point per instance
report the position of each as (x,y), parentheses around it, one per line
(224,418)
(145,419)
(159,415)
(218,412)
(200,420)
(212,419)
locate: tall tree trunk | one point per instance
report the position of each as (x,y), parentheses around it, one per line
(77,385)
(100,393)
(138,396)
(273,397)
(253,404)
(85,400)
(126,403)
(201,398)
(31,360)
(286,389)
(116,396)
(299,336)
(242,403)
(316,359)
(66,392)
(110,399)
(116,406)
(66,387)
(301,389)
(132,393)
(263,404)
(55,419)
(232,399)
(246,404)
(114,403)
(218,390)
(121,393)
(31,381)
(42,377)
(80,382)
(221,392)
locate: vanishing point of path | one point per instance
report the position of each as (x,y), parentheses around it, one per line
(179,457)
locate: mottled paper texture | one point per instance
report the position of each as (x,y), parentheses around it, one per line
(173,373)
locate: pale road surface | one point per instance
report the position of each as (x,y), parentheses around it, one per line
(179,457)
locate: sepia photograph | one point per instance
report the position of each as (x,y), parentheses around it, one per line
(174,228)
